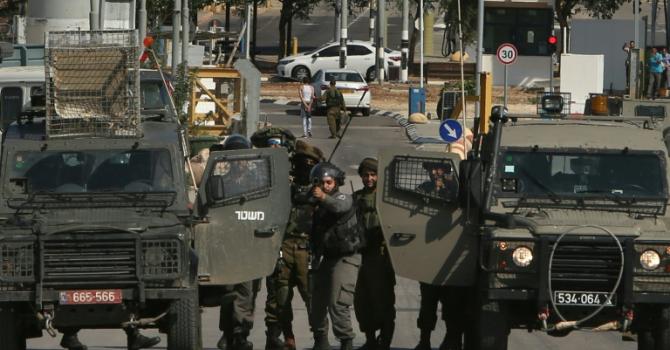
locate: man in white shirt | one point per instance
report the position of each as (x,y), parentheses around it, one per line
(306,99)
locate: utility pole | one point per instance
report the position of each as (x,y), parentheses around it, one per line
(343,34)
(373,18)
(176,26)
(404,42)
(186,28)
(480,51)
(247,34)
(254,32)
(421,42)
(636,11)
(94,15)
(142,19)
(654,11)
(338,21)
(379,43)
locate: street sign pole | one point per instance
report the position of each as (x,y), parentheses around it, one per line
(506,54)
(505,88)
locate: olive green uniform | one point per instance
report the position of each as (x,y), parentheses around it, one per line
(374,301)
(237,308)
(334,103)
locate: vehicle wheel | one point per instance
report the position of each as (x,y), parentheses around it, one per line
(492,326)
(371,74)
(184,324)
(11,337)
(300,72)
(662,332)
(366,112)
(645,340)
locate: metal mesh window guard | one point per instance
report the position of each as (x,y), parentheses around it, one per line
(17,261)
(428,177)
(248,178)
(161,258)
(92,84)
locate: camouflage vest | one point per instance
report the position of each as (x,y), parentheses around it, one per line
(300,218)
(366,207)
(333,98)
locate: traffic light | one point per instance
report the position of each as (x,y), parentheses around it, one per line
(552,40)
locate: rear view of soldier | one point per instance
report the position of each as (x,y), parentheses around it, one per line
(334,104)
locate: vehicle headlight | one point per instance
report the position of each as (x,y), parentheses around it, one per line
(153,256)
(286,62)
(649,259)
(522,256)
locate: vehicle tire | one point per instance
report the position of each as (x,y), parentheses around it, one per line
(366,112)
(371,74)
(183,330)
(662,332)
(11,337)
(492,325)
(300,72)
(645,340)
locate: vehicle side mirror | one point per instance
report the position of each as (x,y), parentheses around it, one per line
(316,55)
(215,189)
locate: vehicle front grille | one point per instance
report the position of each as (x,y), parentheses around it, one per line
(161,258)
(17,261)
(585,266)
(88,261)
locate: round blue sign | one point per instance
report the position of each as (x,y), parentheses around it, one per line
(450,130)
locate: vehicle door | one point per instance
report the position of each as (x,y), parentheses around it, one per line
(360,58)
(244,203)
(424,227)
(328,58)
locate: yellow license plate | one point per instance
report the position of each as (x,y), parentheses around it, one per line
(347,91)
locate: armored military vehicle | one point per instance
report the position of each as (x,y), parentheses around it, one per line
(96,230)
(552,225)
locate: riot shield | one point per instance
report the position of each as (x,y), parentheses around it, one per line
(418,201)
(244,201)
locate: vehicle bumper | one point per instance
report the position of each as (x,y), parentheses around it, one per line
(129,294)
(354,100)
(282,70)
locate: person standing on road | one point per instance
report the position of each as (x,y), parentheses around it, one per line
(336,241)
(655,71)
(306,99)
(293,266)
(335,108)
(374,300)
(238,302)
(627,48)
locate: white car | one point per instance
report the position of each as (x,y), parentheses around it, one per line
(360,57)
(351,84)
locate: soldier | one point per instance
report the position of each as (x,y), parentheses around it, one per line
(238,302)
(336,241)
(334,104)
(293,266)
(136,340)
(374,301)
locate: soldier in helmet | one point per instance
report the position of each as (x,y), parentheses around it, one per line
(238,301)
(293,266)
(374,301)
(336,241)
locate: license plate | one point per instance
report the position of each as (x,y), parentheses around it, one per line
(97,296)
(583,298)
(347,91)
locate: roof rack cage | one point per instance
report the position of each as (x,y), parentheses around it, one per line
(92,83)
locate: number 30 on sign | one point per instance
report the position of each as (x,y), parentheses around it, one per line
(506,53)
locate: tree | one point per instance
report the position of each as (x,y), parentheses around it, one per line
(603,9)
(159,11)
(291,9)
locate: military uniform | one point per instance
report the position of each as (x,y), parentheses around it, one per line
(336,268)
(374,301)
(236,317)
(334,103)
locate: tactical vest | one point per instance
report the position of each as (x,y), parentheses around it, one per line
(333,98)
(302,211)
(342,235)
(367,215)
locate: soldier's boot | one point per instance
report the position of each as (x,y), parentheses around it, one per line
(370,342)
(289,338)
(346,344)
(137,341)
(272,341)
(424,341)
(224,343)
(240,342)
(386,336)
(321,341)
(70,341)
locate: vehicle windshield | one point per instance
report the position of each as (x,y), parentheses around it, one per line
(91,171)
(344,76)
(580,174)
(153,95)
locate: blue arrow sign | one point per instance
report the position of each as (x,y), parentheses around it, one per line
(450,130)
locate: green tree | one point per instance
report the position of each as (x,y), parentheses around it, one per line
(159,11)
(603,9)
(292,9)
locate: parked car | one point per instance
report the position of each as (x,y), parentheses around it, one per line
(360,57)
(354,89)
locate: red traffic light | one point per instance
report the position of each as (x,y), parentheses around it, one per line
(552,40)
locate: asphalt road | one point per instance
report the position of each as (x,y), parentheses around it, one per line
(364,138)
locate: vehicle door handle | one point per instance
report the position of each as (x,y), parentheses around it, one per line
(402,238)
(266,232)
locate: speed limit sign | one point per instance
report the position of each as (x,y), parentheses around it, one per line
(506,53)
